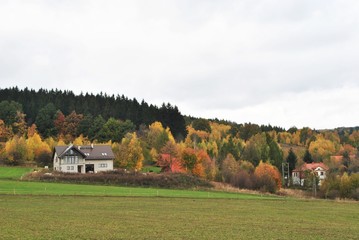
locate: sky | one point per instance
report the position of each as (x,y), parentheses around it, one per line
(285,63)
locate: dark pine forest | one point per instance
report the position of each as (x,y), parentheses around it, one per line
(107,106)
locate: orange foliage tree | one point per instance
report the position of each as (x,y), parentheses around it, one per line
(270,171)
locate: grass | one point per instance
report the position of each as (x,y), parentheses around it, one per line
(44,188)
(154,169)
(40,210)
(13,172)
(76,217)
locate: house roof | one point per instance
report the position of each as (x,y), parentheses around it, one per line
(311,166)
(89,152)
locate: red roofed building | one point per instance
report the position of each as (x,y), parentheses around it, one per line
(299,174)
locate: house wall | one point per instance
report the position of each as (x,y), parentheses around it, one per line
(101,165)
(321,173)
(296,178)
(66,165)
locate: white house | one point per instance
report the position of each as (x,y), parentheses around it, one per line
(298,174)
(83,159)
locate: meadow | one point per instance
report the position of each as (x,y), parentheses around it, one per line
(70,211)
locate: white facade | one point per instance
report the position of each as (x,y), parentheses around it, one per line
(298,176)
(74,161)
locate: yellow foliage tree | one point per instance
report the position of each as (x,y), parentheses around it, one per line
(321,149)
(130,155)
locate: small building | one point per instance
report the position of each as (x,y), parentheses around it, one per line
(299,174)
(83,159)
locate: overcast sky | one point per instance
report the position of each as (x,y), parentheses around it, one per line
(280,62)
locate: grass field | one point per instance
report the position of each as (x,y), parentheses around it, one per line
(43,188)
(85,217)
(38,210)
(13,172)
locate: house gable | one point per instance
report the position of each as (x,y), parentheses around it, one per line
(92,158)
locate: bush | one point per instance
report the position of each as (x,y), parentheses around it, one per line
(122,178)
(243,180)
(266,183)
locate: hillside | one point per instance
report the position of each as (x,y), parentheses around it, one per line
(118,107)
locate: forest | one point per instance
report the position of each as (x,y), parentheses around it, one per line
(245,155)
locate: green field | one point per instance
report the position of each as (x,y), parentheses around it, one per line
(38,210)
(85,217)
(13,172)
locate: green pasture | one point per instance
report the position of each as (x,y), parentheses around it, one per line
(44,188)
(88,217)
(41,210)
(13,172)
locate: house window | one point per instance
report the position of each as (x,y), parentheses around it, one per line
(321,173)
(104,154)
(102,165)
(68,167)
(72,167)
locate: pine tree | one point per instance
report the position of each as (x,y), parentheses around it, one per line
(291,160)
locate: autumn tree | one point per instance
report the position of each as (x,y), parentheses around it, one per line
(256,149)
(5,132)
(229,168)
(19,126)
(38,150)
(158,136)
(189,158)
(130,154)
(321,149)
(266,175)
(59,122)
(71,123)
(169,158)
(15,151)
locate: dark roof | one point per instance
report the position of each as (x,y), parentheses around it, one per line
(89,152)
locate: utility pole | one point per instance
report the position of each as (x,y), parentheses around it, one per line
(285,174)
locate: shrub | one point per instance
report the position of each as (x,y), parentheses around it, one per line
(122,178)
(266,183)
(266,169)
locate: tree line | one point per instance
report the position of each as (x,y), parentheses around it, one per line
(245,155)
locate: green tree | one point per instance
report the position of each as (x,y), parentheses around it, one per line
(256,149)
(85,125)
(307,157)
(291,160)
(275,152)
(9,111)
(201,124)
(115,130)
(96,127)
(45,120)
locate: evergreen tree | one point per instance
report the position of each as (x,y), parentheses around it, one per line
(307,157)
(291,160)
(45,120)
